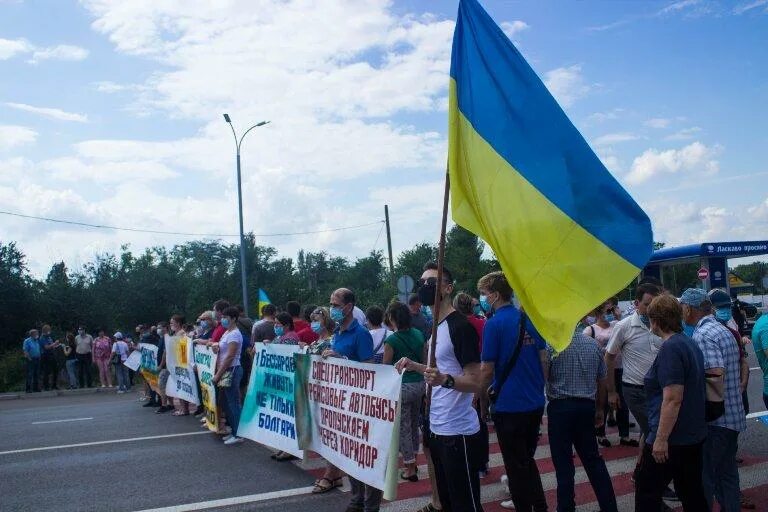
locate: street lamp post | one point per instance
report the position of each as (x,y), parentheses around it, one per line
(238,143)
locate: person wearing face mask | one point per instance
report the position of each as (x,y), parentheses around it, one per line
(322,325)
(285,334)
(31,348)
(721,301)
(307,336)
(601,331)
(675,389)
(633,340)
(166,402)
(517,369)
(228,365)
(354,342)
(453,434)
(205,325)
(84,347)
(418,320)
(721,358)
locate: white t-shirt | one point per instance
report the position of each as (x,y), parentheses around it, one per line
(637,345)
(451,412)
(359,315)
(379,335)
(120,347)
(602,336)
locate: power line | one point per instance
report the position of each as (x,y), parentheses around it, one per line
(377,238)
(212,235)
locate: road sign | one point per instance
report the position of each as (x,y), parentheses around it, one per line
(703,273)
(403,298)
(405,284)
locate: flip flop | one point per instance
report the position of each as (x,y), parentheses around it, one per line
(320,488)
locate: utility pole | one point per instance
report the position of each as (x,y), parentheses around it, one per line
(389,245)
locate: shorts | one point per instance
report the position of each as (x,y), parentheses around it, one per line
(162,378)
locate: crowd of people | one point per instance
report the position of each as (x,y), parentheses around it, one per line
(677,366)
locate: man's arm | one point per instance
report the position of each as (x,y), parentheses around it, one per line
(610,381)
(487,369)
(468,382)
(600,399)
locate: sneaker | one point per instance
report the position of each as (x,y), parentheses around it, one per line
(504,479)
(604,442)
(508,504)
(483,473)
(233,440)
(227,437)
(163,408)
(151,403)
(670,495)
(120,391)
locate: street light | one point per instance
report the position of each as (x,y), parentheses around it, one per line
(238,143)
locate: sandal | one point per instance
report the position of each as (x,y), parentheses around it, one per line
(410,478)
(329,485)
(603,441)
(429,508)
(284,456)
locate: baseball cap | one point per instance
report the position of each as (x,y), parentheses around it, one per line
(719,298)
(118,335)
(693,297)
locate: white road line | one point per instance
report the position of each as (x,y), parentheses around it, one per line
(59,421)
(239,500)
(95,443)
(755,368)
(756,414)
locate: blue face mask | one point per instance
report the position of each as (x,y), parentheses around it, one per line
(609,317)
(426,312)
(478,310)
(337,314)
(203,325)
(316,327)
(225,322)
(646,321)
(484,303)
(688,329)
(279,330)
(723,314)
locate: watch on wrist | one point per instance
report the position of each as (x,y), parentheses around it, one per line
(449,382)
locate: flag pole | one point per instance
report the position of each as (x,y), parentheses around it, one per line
(438,296)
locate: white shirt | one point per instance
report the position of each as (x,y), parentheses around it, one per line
(638,347)
(379,335)
(451,412)
(358,314)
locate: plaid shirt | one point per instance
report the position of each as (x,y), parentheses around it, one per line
(721,351)
(574,372)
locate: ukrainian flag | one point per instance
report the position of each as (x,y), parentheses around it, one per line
(263,301)
(567,235)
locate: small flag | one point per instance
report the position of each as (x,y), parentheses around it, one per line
(567,235)
(263,301)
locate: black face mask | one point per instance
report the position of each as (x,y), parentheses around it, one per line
(427,294)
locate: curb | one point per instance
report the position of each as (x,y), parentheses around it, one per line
(55,393)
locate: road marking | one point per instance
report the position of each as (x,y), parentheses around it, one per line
(238,500)
(59,421)
(95,443)
(756,414)
(755,368)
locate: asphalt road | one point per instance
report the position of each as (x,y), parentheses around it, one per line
(134,475)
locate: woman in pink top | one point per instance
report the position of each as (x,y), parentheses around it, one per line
(102,353)
(601,331)
(284,330)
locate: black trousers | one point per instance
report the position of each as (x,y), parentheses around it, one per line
(84,370)
(684,467)
(50,372)
(457,471)
(518,435)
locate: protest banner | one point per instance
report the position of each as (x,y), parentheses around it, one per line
(149,369)
(178,358)
(268,415)
(205,365)
(134,360)
(349,413)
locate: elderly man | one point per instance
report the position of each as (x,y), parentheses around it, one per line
(721,357)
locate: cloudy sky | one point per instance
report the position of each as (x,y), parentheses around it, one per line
(111,114)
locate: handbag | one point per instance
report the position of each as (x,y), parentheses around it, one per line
(495,389)
(226,379)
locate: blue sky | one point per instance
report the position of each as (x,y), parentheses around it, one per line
(110,113)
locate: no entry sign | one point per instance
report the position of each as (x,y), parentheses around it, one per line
(702,273)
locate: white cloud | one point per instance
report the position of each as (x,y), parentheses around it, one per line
(9,48)
(51,113)
(601,117)
(614,138)
(685,134)
(695,157)
(749,6)
(12,136)
(678,6)
(76,170)
(566,84)
(59,52)
(512,28)
(658,122)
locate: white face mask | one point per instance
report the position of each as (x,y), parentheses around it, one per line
(159,332)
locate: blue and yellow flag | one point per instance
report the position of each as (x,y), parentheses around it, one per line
(263,301)
(523,179)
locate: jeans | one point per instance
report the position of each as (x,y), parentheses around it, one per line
(721,474)
(72,373)
(122,377)
(232,407)
(411,395)
(365,497)
(571,423)
(33,374)
(635,398)
(518,436)
(84,370)
(50,371)
(457,471)
(622,412)
(684,467)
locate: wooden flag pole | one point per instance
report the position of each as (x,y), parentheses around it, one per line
(438,295)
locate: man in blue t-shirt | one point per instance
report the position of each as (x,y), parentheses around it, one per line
(31,348)
(519,402)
